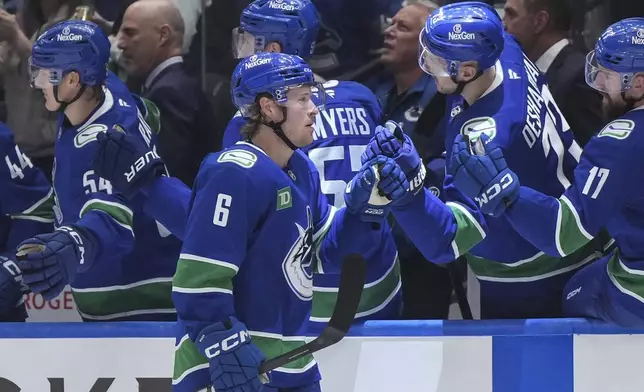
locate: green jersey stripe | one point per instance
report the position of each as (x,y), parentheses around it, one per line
(120,213)
(106,302)
(468,232)
(627,280)
(570,233)
(539,266)
(193,274)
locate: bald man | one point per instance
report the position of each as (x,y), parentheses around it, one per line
(408,96)
(151,39)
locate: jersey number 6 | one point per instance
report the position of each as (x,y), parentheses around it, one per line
(222,206)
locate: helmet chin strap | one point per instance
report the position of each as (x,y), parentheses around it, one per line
(630,102)
(277,128)
(461,85)
(64,105)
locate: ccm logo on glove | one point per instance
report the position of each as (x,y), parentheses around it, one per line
(227,344)
(494,190)
(77,239)
(140,164)
(11,267)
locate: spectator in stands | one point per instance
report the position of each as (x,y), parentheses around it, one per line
(406,92)
(34,127)
(151,39)
(541,26)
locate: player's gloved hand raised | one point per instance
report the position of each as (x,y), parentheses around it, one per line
(232,357)
(12,307)
(51,261)
(390,140)
(373,188)
(479,171)
(126,162)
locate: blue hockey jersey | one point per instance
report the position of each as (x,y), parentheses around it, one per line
(341,133)
(273,230)
(519,114)
(26,197)
(130,278)
(25,209)
(606,193)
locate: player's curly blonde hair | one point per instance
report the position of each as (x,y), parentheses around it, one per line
(251,127)
(255,118)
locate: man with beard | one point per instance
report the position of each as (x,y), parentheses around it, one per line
(606,192)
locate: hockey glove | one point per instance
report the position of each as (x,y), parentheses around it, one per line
(391,141)
(479,171)
(124,161)
(50,261)
(12,307)
(233,359)
(362,195)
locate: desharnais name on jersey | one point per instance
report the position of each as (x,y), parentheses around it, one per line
(518,113)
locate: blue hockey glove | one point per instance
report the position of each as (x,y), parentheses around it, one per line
(362,195)
(390,140)
(12,307)
(50,261)
(126,162)
(233,359)
(479,171)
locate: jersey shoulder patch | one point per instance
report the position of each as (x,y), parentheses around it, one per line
(88,134)
(238,156)
(619,129)
(476,126)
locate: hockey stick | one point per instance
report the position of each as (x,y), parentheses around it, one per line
(461,296)
(352,277)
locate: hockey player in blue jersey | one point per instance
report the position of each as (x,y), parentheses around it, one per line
(341,134)
(606,191)
(113,277)
(25,211)
(342,131)
(493,89)
(260,199)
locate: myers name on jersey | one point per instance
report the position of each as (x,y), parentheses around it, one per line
(342,116)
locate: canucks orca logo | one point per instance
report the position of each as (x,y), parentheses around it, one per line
(476,126)
(413,113)
(297,263)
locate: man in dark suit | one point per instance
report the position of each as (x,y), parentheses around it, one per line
(541,27)
(151,38)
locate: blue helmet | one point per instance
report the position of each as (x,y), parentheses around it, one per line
(468,31)
(292,23)
(618,55)
(72,45)
(268,73)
